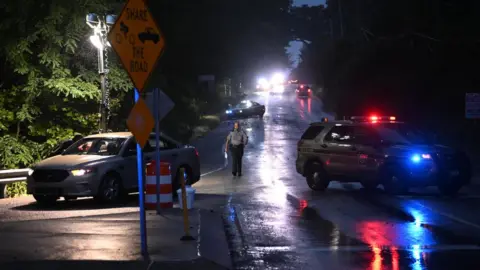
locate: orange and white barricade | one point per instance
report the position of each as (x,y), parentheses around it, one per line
(166,197)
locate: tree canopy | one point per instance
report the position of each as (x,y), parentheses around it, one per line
(49,87)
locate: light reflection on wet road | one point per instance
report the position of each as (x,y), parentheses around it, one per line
(275,222)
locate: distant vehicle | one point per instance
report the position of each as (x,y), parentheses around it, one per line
(245,109)
(104,166)
(303,91)
(379,151)
(149,34)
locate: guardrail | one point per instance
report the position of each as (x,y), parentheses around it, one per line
(11,176)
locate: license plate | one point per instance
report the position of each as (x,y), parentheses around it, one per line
(454,173)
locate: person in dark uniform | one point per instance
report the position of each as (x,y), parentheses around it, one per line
(64,145)
(236,141)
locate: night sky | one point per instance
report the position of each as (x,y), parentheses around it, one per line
(294,49)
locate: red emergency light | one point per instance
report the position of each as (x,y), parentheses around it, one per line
(373,118)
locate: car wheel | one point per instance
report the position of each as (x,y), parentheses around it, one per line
(46,199)
(394,183)
(110,190)
(369,185)
(449,189)
(317,178)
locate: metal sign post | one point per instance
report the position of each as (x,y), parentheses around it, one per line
(157,146)
(141,193)
(139,43)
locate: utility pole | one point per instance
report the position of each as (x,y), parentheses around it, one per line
(101,25)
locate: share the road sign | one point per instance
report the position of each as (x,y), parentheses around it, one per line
(138,41)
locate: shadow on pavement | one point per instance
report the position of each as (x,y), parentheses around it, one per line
(198,264)
(81,204)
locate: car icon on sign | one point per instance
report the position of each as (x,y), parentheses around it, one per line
(149,34)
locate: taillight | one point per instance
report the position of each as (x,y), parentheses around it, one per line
(196,152)
(309,90)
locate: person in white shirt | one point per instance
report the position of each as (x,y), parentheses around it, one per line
(236,141)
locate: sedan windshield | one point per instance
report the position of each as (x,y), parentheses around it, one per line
(402,134)
(96,146)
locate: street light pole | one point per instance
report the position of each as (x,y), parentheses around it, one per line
(103,89)
(101,26)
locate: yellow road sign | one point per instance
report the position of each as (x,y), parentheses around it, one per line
(138,41)
(140,122)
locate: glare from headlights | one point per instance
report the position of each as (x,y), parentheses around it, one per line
(81,172)
(278,78)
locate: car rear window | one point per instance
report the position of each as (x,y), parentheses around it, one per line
(312,132)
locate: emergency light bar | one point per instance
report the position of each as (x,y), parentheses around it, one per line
(372,118)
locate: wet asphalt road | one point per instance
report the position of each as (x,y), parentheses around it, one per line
(272,219)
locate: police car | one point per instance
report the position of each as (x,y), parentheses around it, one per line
(379,150)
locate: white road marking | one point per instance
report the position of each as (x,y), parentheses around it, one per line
(368,248)
(452,217)
(214,171)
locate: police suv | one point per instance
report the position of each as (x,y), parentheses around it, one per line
(379,150)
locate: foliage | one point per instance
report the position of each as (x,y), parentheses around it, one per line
(49,89)
(16,189)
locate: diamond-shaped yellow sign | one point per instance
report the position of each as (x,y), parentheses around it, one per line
(140,122)
(138,41)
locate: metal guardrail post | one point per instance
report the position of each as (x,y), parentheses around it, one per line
(3,191)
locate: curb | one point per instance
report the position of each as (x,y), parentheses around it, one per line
(213,244)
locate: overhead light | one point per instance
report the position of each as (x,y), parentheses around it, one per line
(95,39)
(111,19)
(92,18)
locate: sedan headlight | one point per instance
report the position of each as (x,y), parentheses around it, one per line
(81,172)
(30,172)
(228,111)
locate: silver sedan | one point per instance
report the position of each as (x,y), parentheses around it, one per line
(104,166)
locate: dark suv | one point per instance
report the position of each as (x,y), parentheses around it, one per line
(379,150)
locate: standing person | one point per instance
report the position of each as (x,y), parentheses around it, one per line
(236,140)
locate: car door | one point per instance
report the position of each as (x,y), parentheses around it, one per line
(369,154)
(258,109)
(342,160)
(168,152)
(128,168)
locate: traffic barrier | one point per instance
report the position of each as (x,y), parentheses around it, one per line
(166,197)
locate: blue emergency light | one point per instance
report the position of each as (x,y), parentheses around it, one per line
(417,158)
